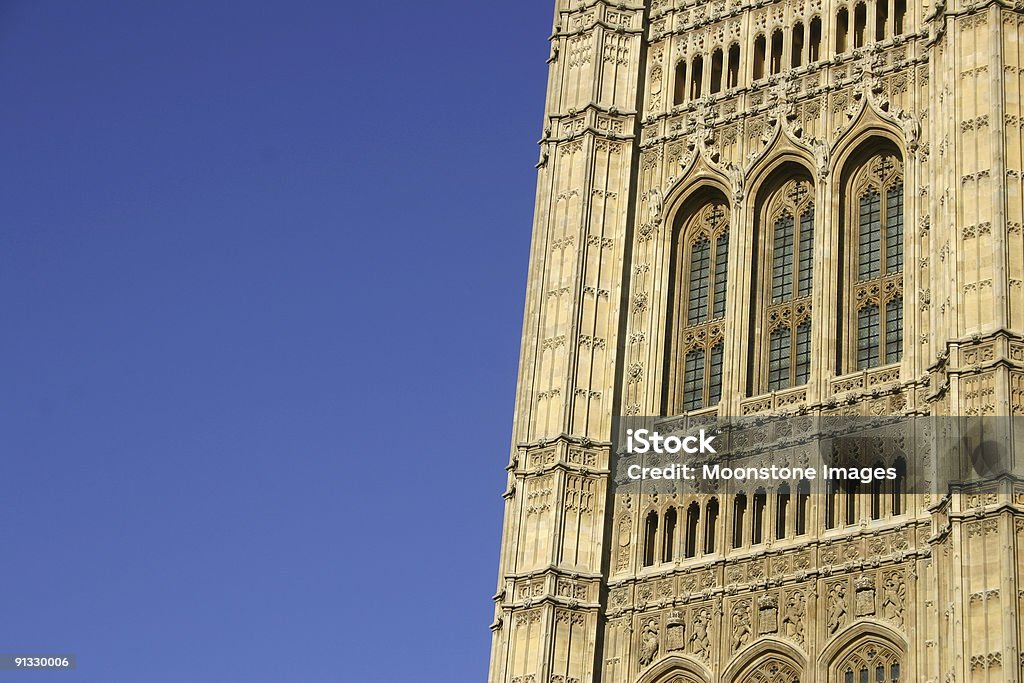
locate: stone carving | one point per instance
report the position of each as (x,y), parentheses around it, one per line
(675,631)
(740,626)
(701,644)
(654,206)
(767,614)
(894,593)
(793,617)
(836,607)
(864,597)
(649,642)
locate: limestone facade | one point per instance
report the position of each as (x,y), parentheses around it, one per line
(755,207)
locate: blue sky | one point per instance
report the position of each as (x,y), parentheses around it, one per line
(262,268)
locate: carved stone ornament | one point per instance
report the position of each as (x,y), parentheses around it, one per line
(649,642)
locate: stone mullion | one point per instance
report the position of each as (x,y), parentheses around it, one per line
(733,362)
(825,316)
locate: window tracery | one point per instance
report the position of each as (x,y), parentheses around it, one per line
(875,236)
(788,223)
(870,663)
(702,254)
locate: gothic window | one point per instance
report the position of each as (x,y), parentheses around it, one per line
(876,495)
(860,20)
(739,512)
(842,28)
(716,71)
(679,95)
(881,17)
(776,61)
(696,77)
(831,499)
(900,8)
(668,542)
(710,525)
(872,662)
(733,76)
(650,538)
(852,489)
(874,233)
(785,290)
(899,487)
(781,511)
(701,258)
(692,522)
(797,48)
(759,56)
(760,503)
(803,503)
(814,48)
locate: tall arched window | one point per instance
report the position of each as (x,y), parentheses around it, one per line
(733,76)
(759,56)
(874,262)
(696,77)
(668,542)
(787,264)
(797,47)
(701,257)
(842,29)
(650,538)
(860,22)
(775,66)
(692,523)
(757,522)
(710,525)
(739,512)
(679,94)
(814,46)
(716,71)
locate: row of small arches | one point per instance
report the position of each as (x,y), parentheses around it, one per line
(673,534)
(804,48)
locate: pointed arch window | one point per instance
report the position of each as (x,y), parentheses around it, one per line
(875,239)
(702,254)
(788,264)
(871,662)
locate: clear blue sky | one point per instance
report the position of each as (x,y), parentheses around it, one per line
(262,268)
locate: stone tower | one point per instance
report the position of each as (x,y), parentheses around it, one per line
(761,208)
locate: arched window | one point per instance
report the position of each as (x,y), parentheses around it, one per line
(760,503)
(668,542)
(650,538)
(710,525)
(871,662)
(716,71)
(771,670)
(733,78)
(701,258)
(759,56)
(842,29)
(860,22)
(797,48)
(803,503)
(831,500)
(874,261)
(739,508)
(881,18)
(814,46)
(776,61)
(696,77)
(899,488)
(876,495)
(852,489)
(782,511)
(900,9)
(679,92)
(692,523)
(787,264)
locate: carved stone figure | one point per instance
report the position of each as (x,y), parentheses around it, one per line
(893,598)
(793,617)
(740,626)
(649,642)
(700,643)
(836,607)
(654,206)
